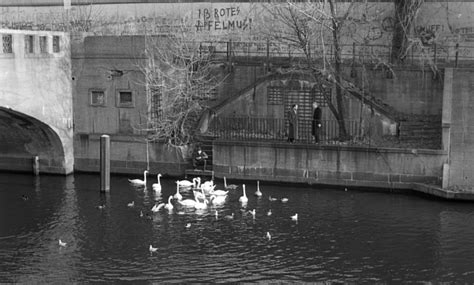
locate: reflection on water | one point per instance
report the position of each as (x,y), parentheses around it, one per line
(341,236)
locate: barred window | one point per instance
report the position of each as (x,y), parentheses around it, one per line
(43,43)
(29,44)
(155,103)
(97,97)
(125,99)
(275,95)
(7,43)
(56,44)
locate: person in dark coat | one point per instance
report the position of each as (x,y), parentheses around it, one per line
(293,123)
(316,124)
(199,158)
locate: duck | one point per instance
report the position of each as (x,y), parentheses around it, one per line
(284,200)
(295,217)
(61,243)
(139,182)
(217,200)
(229,217)
(131,204)
(270,198)
(269,213)
(152,249)
(243,199)
(188,225)
(177,196)
(157,186)
(168,206)
(230,186)
(258,193)
(186,183)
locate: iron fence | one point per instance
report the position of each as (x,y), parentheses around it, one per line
(275,129)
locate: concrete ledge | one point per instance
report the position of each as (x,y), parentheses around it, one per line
(442,193)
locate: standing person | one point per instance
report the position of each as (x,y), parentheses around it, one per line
(316,124)
(293,123)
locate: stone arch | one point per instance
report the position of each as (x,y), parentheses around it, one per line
(23,137)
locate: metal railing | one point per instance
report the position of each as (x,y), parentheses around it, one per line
(274,129)
(449,54)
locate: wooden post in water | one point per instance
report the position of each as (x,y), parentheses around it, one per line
(104,163)
(36,167)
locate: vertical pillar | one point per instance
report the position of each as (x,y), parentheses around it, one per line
(104,163)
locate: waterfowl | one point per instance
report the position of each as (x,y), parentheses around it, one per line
(177,196)
(294,217)
(272,199)
(188,225)
(157,186)
(229,217)
(169,206)
(253,212)
(217,200)
(284,200)
(258,193)
(157,207)
(269,237)
(131,204)
(269,213)
(188,203)
(200,205)
(139,182)
(230,186)
(186,183)
(153,249)
(199,194)
(219,192)
(243,198)
(101,207)
(61,243)
(141,214)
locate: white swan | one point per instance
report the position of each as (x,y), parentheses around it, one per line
(131,204)
(177,196)
(269,237)
(284,200)
(295,217)
(217,200)
(230,186)
(157,186)
(199,194)
(157,207)
(219,192)
(201,205)
(258,193)
(188,203)
(61,243)
(243,198)
(139,182)
(269,213)
(186,183)
(168,205)
(229,217)
(152,249)
(270,198)
(253,212)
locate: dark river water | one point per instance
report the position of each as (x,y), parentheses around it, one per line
(340,236)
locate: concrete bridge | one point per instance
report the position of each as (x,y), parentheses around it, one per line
(35,101)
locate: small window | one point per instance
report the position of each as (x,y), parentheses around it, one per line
(56,44)
(97,97)
(43,41)
(7,43)
(29,44)
(125,99)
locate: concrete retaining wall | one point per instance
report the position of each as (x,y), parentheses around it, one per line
(332,165)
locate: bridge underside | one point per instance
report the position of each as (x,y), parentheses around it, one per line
(22,138)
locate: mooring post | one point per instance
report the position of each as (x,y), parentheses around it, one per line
(104,163)
(36,167)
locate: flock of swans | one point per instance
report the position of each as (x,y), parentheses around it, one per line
(204,195)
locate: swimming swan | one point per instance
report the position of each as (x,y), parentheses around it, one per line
(230,186)
(295,217)
(258,193)
(219,192)
(168,205)
(153,249)
(186,183)
(61,243)
(217,200)
(139,182)
(243,198)
(177,196)
(157,186)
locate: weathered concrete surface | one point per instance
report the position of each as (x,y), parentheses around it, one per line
(331,165)
(36,101)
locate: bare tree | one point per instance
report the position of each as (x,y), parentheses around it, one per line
(180,79)
(310,25)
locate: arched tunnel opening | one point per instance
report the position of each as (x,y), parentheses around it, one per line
(23,137)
